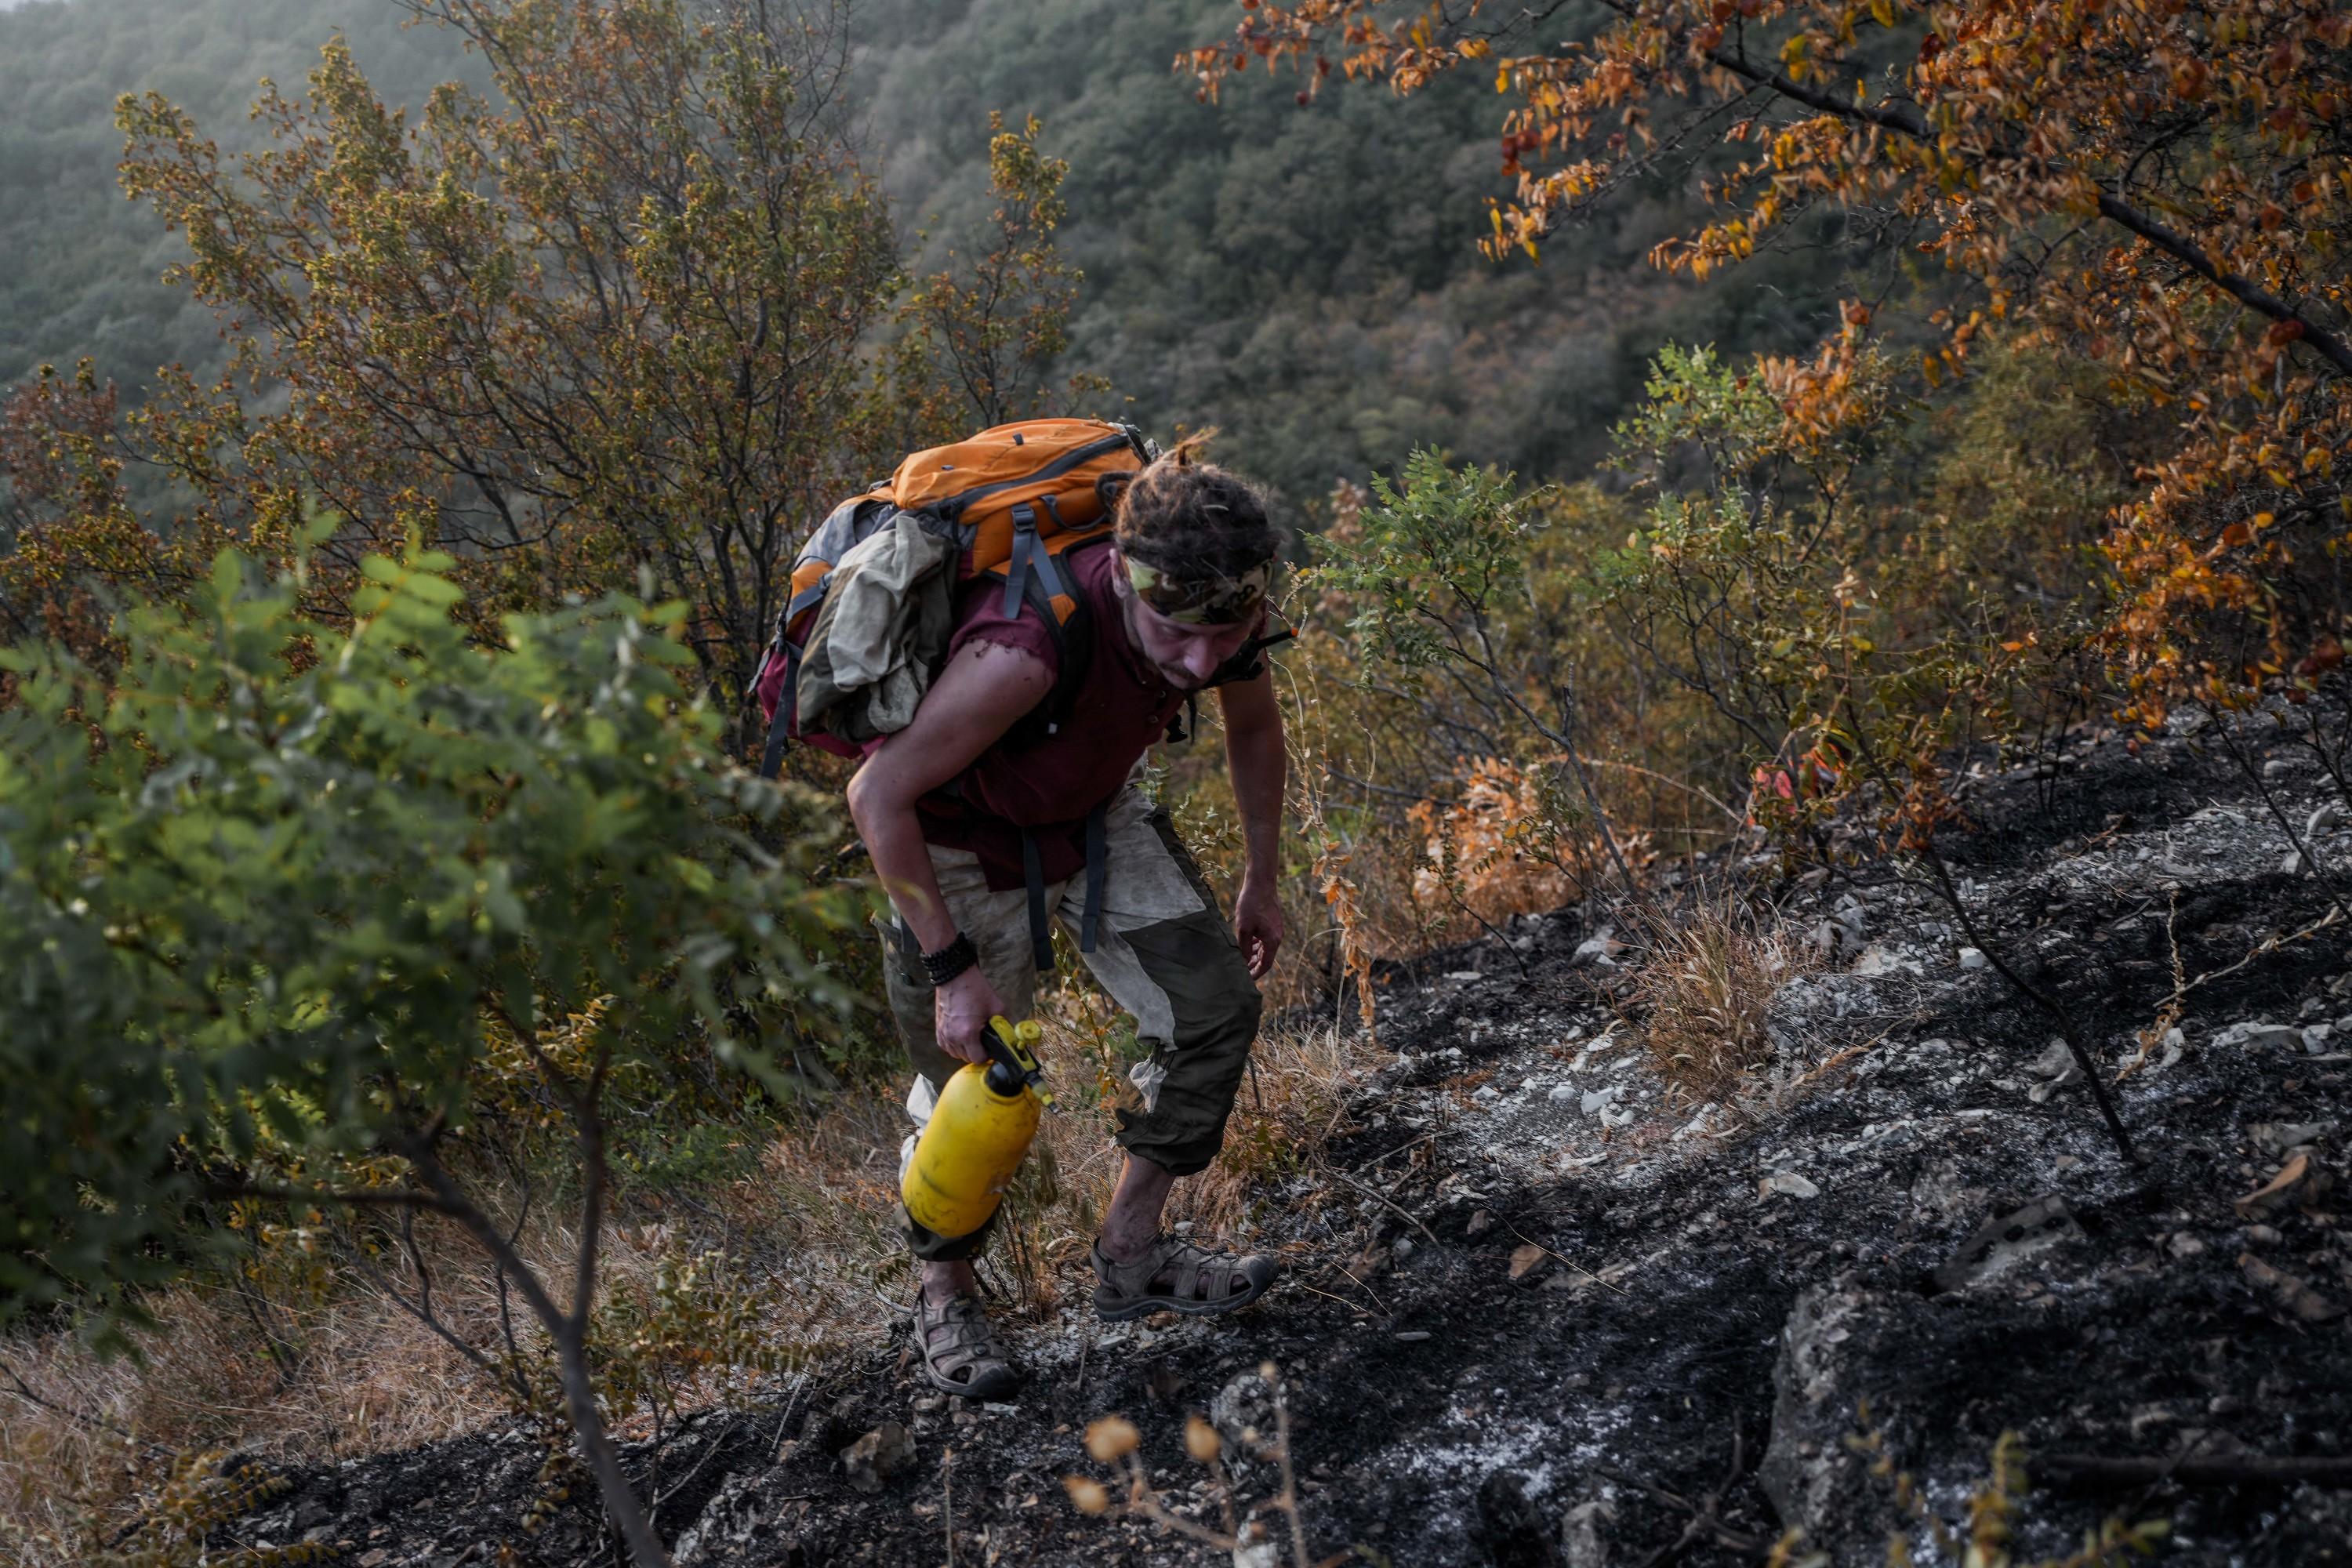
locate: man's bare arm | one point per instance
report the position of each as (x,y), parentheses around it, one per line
(983,692)
(1256,760)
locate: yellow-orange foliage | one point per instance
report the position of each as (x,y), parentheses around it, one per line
(2158,184)
(1498,848)
(67,535)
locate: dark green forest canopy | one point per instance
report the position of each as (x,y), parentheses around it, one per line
(81,265)
(1304,277)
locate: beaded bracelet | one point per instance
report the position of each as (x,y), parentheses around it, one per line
(951,960)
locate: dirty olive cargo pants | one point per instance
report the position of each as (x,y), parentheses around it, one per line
(1162,953)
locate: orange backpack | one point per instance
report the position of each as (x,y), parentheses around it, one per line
(1010,502)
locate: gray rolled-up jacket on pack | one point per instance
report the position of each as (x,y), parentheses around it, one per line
(883,630)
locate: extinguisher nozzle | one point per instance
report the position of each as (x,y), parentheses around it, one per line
(1014,1065)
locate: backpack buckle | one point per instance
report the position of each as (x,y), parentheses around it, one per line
(1016,569)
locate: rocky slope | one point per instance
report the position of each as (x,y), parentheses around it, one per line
(1550,1317)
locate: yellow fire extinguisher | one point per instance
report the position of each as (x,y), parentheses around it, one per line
(979,1131)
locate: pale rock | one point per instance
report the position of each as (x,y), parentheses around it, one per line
(1789,1183)
(1973,958)
(1585,1534)
(876,1457)
(2057,1061)
(2260,1037)
(1601,949)
(2278,1137)
(2325,818)
(1876,959)
(2291,1292)
(1806,1471)
(1598,1099)
(1266,1552)
(2000,1244)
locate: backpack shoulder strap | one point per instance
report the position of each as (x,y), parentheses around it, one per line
(1248,661)
(1073,633)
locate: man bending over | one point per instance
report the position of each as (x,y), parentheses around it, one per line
(985,825)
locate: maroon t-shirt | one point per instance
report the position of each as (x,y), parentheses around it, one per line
(1049,782)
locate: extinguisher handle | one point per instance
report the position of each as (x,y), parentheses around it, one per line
(1011,1050)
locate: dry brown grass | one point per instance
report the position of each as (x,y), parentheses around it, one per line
(305,1364)
(85,1442)
(367,1378)
(1703,988)
(1285,1109)
(828,1197)
(1283,1118)
(830,1187)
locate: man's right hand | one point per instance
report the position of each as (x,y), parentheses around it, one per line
(960,1014)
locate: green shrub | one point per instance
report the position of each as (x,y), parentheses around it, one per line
(288,904)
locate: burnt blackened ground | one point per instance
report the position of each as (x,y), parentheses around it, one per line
(1552,1315)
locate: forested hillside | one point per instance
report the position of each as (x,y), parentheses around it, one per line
(81,266)
(1304,277)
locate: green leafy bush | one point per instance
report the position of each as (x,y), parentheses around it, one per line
(288,904)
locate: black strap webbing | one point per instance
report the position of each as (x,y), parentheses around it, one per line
(1246,664)
(1016,569)
(1033,873)
(1096,854)
(1184,725)
(780,725)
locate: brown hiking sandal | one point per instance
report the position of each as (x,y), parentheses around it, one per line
(1174,1275)
(958,1348)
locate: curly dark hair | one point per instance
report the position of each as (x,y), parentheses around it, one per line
(1190,519)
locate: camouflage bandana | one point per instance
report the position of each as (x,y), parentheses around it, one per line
(1214,600)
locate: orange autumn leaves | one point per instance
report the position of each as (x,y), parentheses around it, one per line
(2157,185)
(1499,846)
